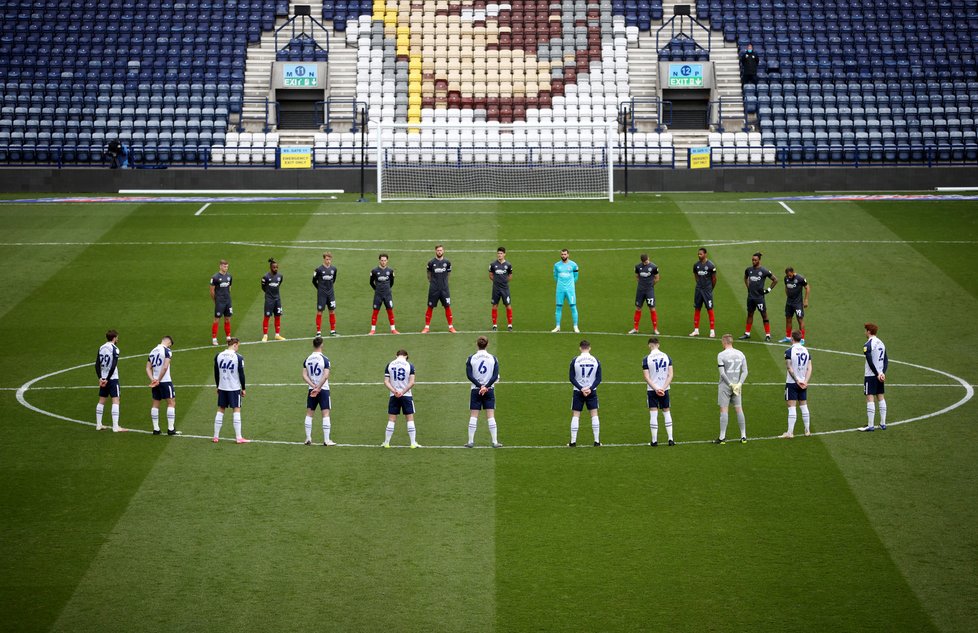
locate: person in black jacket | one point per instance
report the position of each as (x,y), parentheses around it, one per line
(748,65)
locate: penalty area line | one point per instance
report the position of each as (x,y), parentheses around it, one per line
(786,207)
(202,209)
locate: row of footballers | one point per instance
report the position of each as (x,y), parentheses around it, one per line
(482,370)
(565,273)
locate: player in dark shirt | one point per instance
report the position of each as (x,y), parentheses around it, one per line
(754,278)
(796,290)
(439,269)
(500,274)
(382,280)
(323,279)
(705,276)
(647,275)
(221,296)
(271,282)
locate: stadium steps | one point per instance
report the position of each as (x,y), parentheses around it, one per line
(258,69)
(682,140)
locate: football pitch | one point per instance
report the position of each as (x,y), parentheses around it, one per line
(841,531)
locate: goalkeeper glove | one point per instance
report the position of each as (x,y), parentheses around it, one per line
(735,388)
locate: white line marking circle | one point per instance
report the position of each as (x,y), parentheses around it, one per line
(969,394)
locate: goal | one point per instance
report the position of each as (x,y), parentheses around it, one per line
(494,161)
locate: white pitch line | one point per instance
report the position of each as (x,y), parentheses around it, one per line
(201,210)
(224,192)
(969,394)
(502,383)
(787,208)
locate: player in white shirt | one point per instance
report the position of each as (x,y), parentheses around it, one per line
(158,370)
(798,361)
(657,369)
(399,379)
(230,378)
(482,370)
(107,370)
(585,375)
(874,377)
(315,371)
(733,372)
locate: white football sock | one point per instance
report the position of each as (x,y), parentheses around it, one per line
(308,424)
(99,410)
(742,423)
(654,425)
(236,421)
(389,433)
(792,418)
(473,424)
(154,415)
(806,418)
(115,416)
(667,416)
(218,422)
(171,418)
(724,419)
(575,424)
(492,430)
(882,411)
(412,432)
(327,427)
(870,412)
(596,428)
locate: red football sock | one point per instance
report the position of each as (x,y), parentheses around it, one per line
(427,317)
(787,332)
(748,327)
(696,319)
(448,315)
(214,330)
(319,322)
(264,325)
(767,329)
(390,315)
(227,328)
(278,325)
(655,319)
(332,322)
(495,314)
(373,319)
(637,318)
(712,319)
(803,333)
(509,315)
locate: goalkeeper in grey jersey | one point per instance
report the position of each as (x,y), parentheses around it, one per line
(733,372)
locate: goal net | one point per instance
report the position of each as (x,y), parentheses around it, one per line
(493,161)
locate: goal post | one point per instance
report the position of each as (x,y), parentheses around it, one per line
(495,161)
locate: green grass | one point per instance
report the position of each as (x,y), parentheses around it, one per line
(840,531)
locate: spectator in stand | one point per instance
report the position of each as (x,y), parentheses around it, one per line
(748,65)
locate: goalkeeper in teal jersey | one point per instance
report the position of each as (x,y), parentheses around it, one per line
(565,274)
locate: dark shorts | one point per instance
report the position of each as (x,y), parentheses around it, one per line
(793,392)
(383,300)
(435,296)
(580,401)
(500,295)
(404,404)
(645,296)
(873,387)
(223,310)
(755,303)
(111,390)
(658,402)
(321,401)
(164,391)
(488,401)
(326,301)
(228,399)
(794,311)
(273,307)
(703,297)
